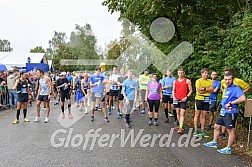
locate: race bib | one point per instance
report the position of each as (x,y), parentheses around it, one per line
(206,99)
(154,91)
(175,102)
(23,90)
(97,94)
(222,112)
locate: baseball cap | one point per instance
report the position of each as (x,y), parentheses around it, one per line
(62,73)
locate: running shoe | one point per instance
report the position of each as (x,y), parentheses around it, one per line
(212,144)
(176,128)
(113,108)
(209,128)
(62,115)
(70,116)
(128,125)
(121,113)
(106,119)
(26,119)
(180,131)
(142,112)
(36,119)
(155,123)
(221,136)
(56,103)
(150,122)
(46,120)
(86,111)
(195,134)
(176,122)
(203,134)
(109,112)
(226,150)
(167,120)
(92,118)
(170,114)
(15,122)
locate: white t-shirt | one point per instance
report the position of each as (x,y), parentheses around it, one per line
(114,77)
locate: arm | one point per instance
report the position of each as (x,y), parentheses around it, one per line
(146,94)
(189,83)
(135,94)
(246,89)
(16,84)
(173,91)
(50,85)
(239,100)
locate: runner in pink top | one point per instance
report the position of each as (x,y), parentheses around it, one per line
(153,96)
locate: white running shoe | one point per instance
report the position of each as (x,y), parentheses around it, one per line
(36,119)
(46,120)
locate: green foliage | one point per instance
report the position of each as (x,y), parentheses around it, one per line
(82,45)
(38,49)
(5,46)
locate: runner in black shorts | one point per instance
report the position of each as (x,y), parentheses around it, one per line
(120,80)
(97,83)
(64,86)
(22,90)
(44,94)
(85,87)
(114,89)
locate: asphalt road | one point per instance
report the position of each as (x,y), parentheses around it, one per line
(33,144)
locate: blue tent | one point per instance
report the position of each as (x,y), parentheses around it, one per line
(34,66)
(3,67)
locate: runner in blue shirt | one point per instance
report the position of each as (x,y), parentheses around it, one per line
(167,85)
(228,115)
(129,90)
(96,83)
(213,98)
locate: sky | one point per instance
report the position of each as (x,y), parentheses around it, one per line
(30,23)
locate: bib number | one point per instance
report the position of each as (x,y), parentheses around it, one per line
(154,91)
(175,102)
(222,112)
(23,90)
(97,94)
(206,99)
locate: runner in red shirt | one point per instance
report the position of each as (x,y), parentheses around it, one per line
(180,95)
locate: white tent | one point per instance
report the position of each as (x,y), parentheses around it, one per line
(19,59)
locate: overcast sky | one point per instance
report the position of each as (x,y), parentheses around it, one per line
(30,23)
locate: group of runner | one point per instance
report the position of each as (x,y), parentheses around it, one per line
(126,90)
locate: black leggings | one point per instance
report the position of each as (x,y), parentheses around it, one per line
(152,103)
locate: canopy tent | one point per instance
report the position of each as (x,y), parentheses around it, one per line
(19,59)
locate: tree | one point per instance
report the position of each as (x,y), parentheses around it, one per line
(5,46)
(58,39)
(38,49)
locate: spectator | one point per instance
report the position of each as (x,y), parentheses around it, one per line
(11,79)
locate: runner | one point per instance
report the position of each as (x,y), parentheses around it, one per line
(78,91)
(120,80)
(44,92)
(204,87)
(229,112)
(85,87)
(242,84)
(167,84)
(64,87)
(180,96)
(213,98)
(21,85)
(153,96)
(129,89)
(114,91)
(96,83)
(57,90)
(143,81)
